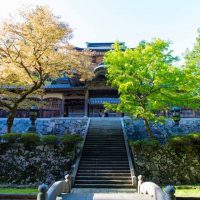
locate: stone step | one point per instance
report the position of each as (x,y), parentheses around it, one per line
(110,156)
(118,174)
(105,148)
(105,140)
(105,132)
(103,162)
(104,159)
(106,153)
(103,182)
(103,186)
(105,129)
(104,165)
(96,138)
(95,190)
(104,168)
(114,149)
(104,177)
(101,149)
(104,171)
(107,135)
(102,153)
(104,143)
(106,194)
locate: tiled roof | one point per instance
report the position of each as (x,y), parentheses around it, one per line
(101,46)
(104,100)
(54,86)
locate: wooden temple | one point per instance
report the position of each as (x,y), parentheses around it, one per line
(69,97)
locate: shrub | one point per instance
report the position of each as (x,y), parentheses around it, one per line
(71,139)
(144,144)
(194,138)
(178,140)
(50,139)
(184,142)
(30,139)
(11,137)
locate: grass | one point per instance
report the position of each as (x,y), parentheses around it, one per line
(188,191)
(18,190)
(181,191)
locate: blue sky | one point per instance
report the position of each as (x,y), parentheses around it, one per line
(128,21)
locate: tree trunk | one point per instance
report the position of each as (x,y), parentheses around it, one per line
(148,129)
(10,120)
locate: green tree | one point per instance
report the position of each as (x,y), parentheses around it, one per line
(146,79)
(192,70)
(33,50)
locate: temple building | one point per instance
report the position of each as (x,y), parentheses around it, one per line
(69,97)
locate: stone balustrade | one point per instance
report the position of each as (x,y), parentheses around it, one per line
(55,190)
(154,190)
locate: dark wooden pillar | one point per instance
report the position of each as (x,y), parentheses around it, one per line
(62,108)
(86,113)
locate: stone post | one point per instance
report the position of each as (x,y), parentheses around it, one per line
(140,181)
(42,195)
(68,179)
(169,193)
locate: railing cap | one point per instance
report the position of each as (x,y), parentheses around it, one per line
(43,188)
(140,178)
(170,189)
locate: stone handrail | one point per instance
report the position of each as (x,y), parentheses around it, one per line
(55,190)
(154,190)
(74,167)
(133,176)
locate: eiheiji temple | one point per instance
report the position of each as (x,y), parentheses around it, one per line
(69,97)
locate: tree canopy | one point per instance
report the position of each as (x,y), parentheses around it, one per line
(146,79)
(33,50)
(192,69)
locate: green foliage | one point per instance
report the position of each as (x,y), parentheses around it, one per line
(144,144)
(70,142)
(185,140)
(50,139)
(30,139)
(178,140)
(11,137)
(146,80)
(195,138)
(71,139)
(192,69)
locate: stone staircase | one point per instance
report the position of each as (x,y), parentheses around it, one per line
(104,162)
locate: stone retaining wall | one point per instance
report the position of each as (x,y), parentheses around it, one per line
(33,166)
(135,129)
(169,165)
(58,126)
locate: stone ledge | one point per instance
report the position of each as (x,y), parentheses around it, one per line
(18,196)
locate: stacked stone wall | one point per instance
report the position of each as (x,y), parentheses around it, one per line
(57,126)
(135,129)
(33,166)
(168,165)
